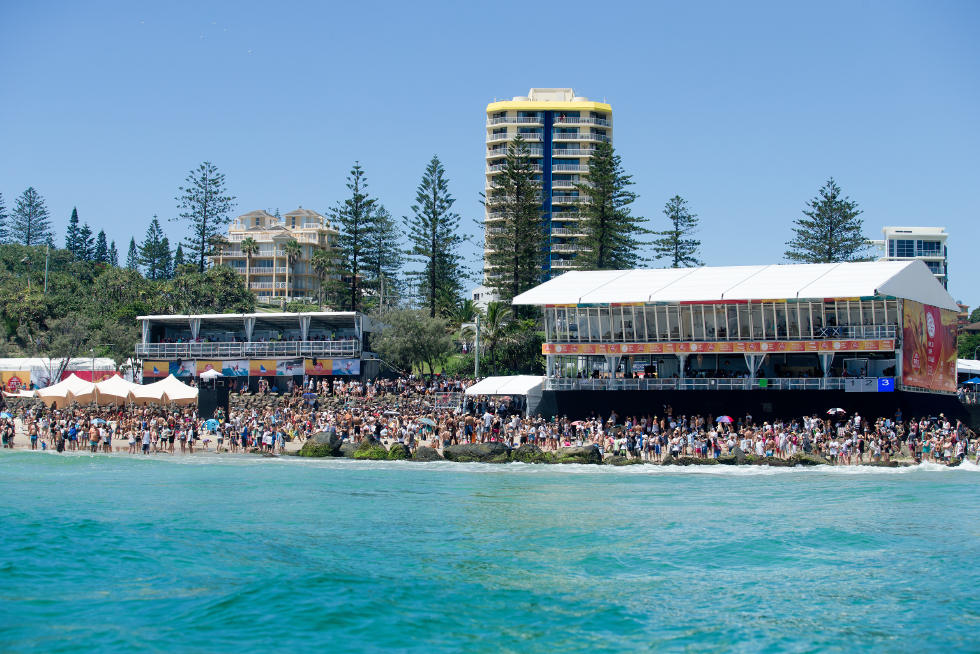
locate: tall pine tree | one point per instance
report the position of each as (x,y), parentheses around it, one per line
(30,222)
(383,256)
(676,244)
(113,255)
(3,222)
(609,231)
(178,258)
(830,230)
(133,256)
(514,236)
(154,252)
(355,219)
(71,234)
(205,206)
(85,245)
(101,248)
(434,240)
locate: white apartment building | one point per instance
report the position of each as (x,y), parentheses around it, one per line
(927,244)
(561,130)
(269,272)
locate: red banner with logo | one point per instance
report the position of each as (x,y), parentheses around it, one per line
(928,347)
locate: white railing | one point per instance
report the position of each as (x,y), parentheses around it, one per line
(562,264)
(569,120)
(502,152)
(856,331)
(566,215)
(564,183)
(574,168)
(581,136)
(496,168)
(700,384)
(563,247)
(254,349)
(564,231)
(514,120)
(572,152)
(491,138)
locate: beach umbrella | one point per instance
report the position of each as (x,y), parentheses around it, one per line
(211,424)
(725,419)
(974,381)
(578,423)
(835,411)
(428,421)
(98,421)
(5,414)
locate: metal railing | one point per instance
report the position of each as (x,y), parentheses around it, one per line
(569,120)
(514,120)
(572,152)
(248,349)
(700,384)
(581,136)
(564,231)
(572,168)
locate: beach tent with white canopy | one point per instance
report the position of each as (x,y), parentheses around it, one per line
(70,389)
(165,391)
(114,390)
(210,375)
(528,386)
(967,367)
(177,392)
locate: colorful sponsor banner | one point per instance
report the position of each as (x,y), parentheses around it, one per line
(183,368)
(14,380)
(156,369)
(262,367)
(321,367)
(289,367)
(204,366)
(928,347)
(721,347)
(89,375)
(236,368)
(346,366)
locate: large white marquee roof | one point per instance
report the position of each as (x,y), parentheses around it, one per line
(909,280)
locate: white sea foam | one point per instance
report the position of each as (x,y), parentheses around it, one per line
(250,461)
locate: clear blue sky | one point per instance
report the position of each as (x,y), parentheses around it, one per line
(745,109)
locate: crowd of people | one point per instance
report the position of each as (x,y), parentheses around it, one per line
(416,411)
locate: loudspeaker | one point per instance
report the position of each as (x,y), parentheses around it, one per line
(210,397)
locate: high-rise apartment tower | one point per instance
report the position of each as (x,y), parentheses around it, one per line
(562,131)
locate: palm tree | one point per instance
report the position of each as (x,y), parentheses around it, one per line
(494,326)
(321,264)
(249,247)
(293,251)
(463,312)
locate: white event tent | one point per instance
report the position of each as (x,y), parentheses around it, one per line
(910,280)
(528,386)
(114,390)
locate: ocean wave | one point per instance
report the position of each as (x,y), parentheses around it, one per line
(249,460)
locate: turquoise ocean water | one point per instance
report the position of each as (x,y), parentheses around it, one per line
(241,554)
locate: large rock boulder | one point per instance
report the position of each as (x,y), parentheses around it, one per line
(478,452)
(689,461)
(347,449)
(399,452)
(426,453)
(741,458)
(321,444)
(529,453)
(371,449)
(804,459)
(616,460)
(582,454)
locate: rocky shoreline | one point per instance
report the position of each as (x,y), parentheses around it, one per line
(323,445)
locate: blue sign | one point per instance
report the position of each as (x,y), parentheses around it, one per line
(886,385)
